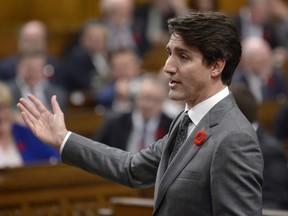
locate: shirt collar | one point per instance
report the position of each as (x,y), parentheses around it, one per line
(197,112)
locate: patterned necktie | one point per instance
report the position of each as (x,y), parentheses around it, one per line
(181,135)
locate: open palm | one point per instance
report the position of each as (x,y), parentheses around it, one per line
(48,127)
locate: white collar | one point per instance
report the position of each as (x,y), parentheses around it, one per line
(197,112)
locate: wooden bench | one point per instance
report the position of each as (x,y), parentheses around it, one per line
(123,206)
(57,190)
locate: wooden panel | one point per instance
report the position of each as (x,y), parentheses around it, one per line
(123,206)
(231,7)
(57,190)
(83,121)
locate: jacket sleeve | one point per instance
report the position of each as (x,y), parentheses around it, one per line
(133,170)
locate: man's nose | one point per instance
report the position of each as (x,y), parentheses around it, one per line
(170,66)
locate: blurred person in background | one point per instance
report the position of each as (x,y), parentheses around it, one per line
(30,79)
(33,37)
(257,71)
(125,65)
(150,19)
(118,17)
(275,174)
(18,145)
(279,16)
(254,20)
(144,124)
(86,66)
(204,5)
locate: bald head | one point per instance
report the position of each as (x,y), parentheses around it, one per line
(32,37)
(257,56)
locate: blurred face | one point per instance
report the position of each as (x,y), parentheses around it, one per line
(150,99)
(120,12)
(30,70)
(6,119)
(190,79)
(125,65)
(260,65)
(94,39)
(33,38)
(260,12)
(205,5)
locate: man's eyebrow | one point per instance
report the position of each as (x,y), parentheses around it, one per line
(178,49)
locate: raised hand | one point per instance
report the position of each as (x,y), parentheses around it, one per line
(48,127)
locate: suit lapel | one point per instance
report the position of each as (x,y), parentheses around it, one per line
(185,154)
(168,173)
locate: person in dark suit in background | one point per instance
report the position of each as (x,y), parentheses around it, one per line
(210,162)
(275,174)
(86,65)
(253,20)
(33,37)
(146,123)
(258,72)
(30,79)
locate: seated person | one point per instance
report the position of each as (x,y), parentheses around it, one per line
(86,65)
(126,70)
(258,72)
(30,79)
(145,124)
(275,173)
(33,37)
(18,145)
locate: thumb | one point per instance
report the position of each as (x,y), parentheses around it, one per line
(55,105)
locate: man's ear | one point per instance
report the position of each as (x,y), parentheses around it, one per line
(217,67)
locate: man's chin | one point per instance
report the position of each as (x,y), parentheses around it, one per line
(174,96)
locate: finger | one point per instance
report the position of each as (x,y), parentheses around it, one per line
(55,105)
(38,103)
(29,119)
(25,106)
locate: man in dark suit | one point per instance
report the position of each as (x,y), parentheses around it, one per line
(31,80)
(275,174)
(142,126)
(258,72)
(253,20)
(86,65)
(32,38)
(210,162)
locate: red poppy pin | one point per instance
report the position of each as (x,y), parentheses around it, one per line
(200,138)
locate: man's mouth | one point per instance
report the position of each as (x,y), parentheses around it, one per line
(173,83)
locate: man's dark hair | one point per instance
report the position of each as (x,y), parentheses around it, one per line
(214,35)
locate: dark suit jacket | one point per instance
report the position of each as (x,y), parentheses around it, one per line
(220,177)
(281,123)
(271,90)
(50,90)
(275,186)
(117,128)
(269,32)
(78,70)
(8,69)
(140,25)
